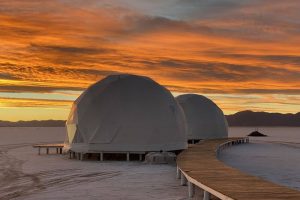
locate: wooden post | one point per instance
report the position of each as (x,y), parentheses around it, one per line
(47,150)
(140,157)
(178,173)
(39,150)
(56,150)
(191,188)
(70,154)
(206,195)
(101,156)
(60,150)
(183,180)
(127,156)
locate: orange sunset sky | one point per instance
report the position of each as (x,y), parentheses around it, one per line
(244,55)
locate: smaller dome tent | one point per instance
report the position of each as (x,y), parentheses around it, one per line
(204,119)
(125,113)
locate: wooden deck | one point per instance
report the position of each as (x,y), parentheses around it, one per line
(58,147)
(199,166)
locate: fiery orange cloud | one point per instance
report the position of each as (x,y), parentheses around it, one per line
(53,46)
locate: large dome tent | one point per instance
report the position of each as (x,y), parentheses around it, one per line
(204,119)
(125,113)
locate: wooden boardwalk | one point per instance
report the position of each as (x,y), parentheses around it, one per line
(58,147)
(198,166)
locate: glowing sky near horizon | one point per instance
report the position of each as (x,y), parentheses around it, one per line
(244,55)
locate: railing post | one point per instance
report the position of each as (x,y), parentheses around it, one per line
(191,188)
(206,195)
(183,180)
(178,173)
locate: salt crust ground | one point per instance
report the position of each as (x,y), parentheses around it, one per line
(25,175)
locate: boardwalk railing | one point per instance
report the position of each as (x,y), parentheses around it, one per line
(198,167)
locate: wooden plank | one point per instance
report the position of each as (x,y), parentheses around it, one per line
(200,164)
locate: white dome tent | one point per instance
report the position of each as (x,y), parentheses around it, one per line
(125,113)
(205,120)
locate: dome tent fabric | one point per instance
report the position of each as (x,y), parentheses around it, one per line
(126,113)
(205,120)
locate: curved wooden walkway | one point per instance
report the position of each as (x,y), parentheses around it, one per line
(198,166)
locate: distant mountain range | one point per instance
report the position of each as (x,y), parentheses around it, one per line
(34,123)
(243,118)
(250,118)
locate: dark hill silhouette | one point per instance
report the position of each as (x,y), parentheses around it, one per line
(243,118)
(34,123)
(250,118)
(257,134)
